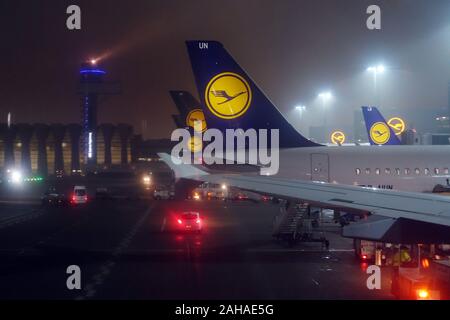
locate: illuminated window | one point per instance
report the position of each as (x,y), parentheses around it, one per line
(358,171)
(367,170)
(387,171)
(436,170)
(397,171)
(417,171)
(377,171)
(445,170)
(426,171)
(407,171)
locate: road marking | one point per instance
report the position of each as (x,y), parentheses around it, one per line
(12,221)
(163,226)
(188,248)
(298,250)
(342,250)
(64,229)
(20,202)
(105,270)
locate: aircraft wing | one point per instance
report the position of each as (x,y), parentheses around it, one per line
(394,205)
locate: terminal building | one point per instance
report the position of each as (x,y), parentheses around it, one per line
(58,149)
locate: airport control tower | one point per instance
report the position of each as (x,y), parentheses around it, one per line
(91,76)
(91,87)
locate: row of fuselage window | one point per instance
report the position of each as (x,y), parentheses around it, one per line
(406,171)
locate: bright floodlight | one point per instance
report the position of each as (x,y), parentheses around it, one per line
(325,95)
(377,69)
(147,180)
(93,62)
(16,176)
(224,187)
(300,108)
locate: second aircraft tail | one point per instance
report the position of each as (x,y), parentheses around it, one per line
(378,130)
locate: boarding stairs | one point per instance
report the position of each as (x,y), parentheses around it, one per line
(294,224)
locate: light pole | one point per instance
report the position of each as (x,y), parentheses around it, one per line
(376,70)
(325,97)
(300,109)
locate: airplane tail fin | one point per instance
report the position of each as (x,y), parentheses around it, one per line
(378,130)
(189,108)
(184,101)
(177,120)
(231,99)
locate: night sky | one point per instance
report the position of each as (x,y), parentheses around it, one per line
(293,49)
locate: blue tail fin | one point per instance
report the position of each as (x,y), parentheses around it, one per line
(231,100)
(380,133)
(189,108)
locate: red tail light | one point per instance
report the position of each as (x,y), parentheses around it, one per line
(364,257)
(179,221)
(423,294)
(198,221)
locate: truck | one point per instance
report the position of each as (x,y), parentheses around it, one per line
(365,250)
(164,193)
(425,275)
(210,191)
(426,278)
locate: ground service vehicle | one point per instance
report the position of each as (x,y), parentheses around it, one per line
(365,250)
(423,275)
(54,198)
(211,191)
(162,193)
(79,195)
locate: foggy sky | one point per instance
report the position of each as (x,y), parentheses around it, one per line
(293,49)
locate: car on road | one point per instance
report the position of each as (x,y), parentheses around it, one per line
(240,196)
(190,221)
(79,196)
(54,198)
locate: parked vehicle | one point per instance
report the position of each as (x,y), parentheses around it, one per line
(79,196)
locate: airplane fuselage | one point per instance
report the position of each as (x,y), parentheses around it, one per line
(405,168)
